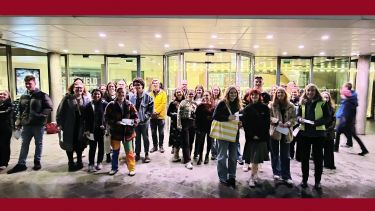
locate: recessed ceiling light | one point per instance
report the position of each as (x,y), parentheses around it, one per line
(322,53)
(373,39)
(285,53)
(325,37)
(96,51)
(256,46)
(157,35)
(65,51)
(372,43)
(102,35)
(301,46)
(135,52)
(121,45)
(166,45)
(214,36)
(270,36)
(211,46)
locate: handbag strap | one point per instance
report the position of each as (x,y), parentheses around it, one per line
(230,112)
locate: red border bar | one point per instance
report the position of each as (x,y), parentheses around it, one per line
(188,7)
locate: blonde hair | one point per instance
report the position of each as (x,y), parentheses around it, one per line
(226,96)
(330,101)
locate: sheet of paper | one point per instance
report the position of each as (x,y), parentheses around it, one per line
(127,122)
(90,137)
(295,132)
(282,130)
(308,122)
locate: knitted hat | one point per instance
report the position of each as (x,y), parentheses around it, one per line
(346,92)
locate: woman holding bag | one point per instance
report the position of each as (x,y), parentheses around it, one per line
(227,151)
(116,111)
(283,117)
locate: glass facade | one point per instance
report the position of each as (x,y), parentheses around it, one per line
(266,67)
(330,74)
(90,69)
(3,69)
(122,69)
(297,70)
(152,68)
(25,62)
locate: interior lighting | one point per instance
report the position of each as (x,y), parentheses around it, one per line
(166,46)
(285,53)
(301,46)
(256,46)
(96,51)
(65,51)
(325,37)
(121,45)
(270,36)
(135,52)
(157,35)
(214,36)
(322,53)
(102,35)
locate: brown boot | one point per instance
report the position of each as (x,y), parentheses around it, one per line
(176,156)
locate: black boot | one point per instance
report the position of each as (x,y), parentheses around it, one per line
(72,166)
(108,160)
(37,165)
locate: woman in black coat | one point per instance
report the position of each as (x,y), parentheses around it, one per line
(256,122)
(94,124)
(174,133)
(6,125)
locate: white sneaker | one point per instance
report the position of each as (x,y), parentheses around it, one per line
(99,167)
(132,173)
(189,165)
(276,177)
(245,167)
(251,182)
(2,167)
(91,169)
(289,181)
(113,172)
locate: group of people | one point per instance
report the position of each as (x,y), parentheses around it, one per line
(115,114)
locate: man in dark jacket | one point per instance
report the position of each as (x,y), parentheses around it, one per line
(346,115)
(34,108)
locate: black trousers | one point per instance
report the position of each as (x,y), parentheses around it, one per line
(5,138)
(97,142)
(328,154)
(200,137)
(350,132)
(317,152)
(187,134)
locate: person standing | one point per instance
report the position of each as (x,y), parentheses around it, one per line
(158,117)
(6,127)
(256,124)
(313,115)
(186,124)
(70,118)
(283,118)
(227,151)
(328,148)
(216,96)
(294,99)
(145,106)
(115,113)
(95,126)
(34,108)
(174,132)
(203,121)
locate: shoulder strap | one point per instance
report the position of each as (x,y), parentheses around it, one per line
(230,112)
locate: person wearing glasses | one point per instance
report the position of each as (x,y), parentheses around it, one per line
(70,119)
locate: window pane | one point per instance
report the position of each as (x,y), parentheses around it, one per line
(90,69)
(296,70)
(244,74)
(173,77)
(122,69)
(331,74)
(3,69)
(266,67)
(152,66)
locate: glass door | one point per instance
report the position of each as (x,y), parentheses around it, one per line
(123,68)
(295,69)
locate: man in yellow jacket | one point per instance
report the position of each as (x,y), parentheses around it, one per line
(158,117)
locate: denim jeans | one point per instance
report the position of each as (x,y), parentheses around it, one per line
(28,132)
(142,130)
(280,160)
(157,125)
(227,151)
(214,148)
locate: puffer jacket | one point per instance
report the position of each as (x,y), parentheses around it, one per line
(34,108)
